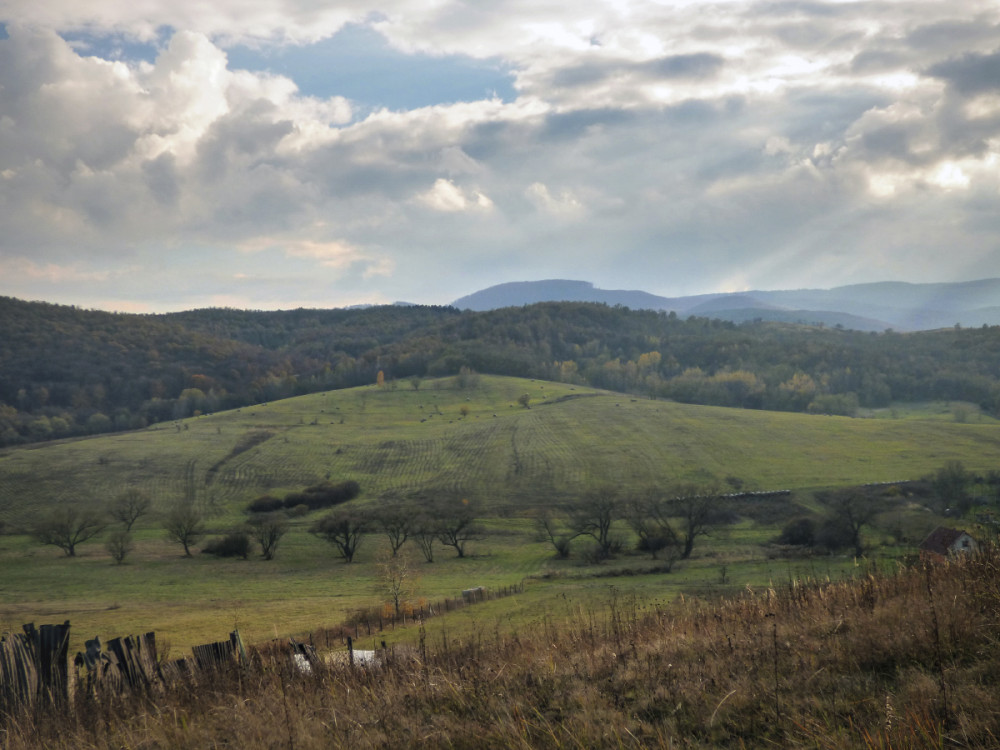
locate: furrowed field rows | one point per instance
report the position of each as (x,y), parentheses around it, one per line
(394,464)
(478,441)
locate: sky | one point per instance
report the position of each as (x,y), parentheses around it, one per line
(160,155)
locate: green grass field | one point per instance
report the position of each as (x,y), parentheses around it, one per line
(505,458)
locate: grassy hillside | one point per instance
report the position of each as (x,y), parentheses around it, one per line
(66,372)
(505,458)
(500,453)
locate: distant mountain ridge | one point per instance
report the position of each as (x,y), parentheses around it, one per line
(875,306)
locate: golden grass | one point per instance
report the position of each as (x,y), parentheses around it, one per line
(900,660)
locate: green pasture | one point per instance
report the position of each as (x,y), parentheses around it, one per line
(500,455)
(477,442)
(306,588)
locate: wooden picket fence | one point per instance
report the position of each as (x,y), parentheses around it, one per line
(35,668)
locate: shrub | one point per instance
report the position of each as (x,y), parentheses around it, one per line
(235,544)
(118,545)
(834,535)
(324,495)
(800,532)
(265,504)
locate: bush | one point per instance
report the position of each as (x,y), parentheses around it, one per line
(800,532)
(236,544)
(265,504)
(118,545)
(324,495)
(834,535)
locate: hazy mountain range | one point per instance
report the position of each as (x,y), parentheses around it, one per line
(863,307)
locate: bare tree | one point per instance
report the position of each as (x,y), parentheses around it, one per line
(396,578)
(425,534)
(552,528)
(851,511)
(66,527)
(456,525)
(118,545)
(649,517)
(129,507)
(185,525)
(267,530)
(597,511)
(395,518)
(344,530)
(698,508)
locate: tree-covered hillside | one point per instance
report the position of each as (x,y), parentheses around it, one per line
(66,371)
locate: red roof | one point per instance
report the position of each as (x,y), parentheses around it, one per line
(941,539)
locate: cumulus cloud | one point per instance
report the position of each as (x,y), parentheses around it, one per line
(446,196)
(671,146)
(564,204)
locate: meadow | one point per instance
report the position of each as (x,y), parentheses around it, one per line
(477,442)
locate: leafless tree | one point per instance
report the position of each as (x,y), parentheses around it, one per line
(129,507)
(594,516)
(267,530)
(425,534)
(698,508)
(118,545)
(456,524)
(344,530)
(649,516)
(851,511)
(396,578)
(184,524)
(67,526)
(552,527)
(395,518)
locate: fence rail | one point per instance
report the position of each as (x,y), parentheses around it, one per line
(34,665)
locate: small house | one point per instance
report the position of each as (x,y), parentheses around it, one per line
(944,542)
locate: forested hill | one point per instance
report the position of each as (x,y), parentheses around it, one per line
(66,371)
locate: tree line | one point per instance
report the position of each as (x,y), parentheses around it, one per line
(665,522)
(66,371)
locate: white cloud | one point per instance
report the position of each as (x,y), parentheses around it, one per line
(678,139)
(564,205)
(446,196)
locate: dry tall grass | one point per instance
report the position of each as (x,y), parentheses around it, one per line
(902,660)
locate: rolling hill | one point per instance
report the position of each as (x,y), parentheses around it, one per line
(863,307)
(480,443)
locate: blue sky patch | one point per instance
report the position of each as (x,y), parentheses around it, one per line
(116,46)
(358,63)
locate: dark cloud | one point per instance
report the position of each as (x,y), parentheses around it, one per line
(890,141)
(699,65)
(241,140)
(583,75)
(946,36)
(804,35)
(870,61)
(160,175)
(971,73)
(566,126)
